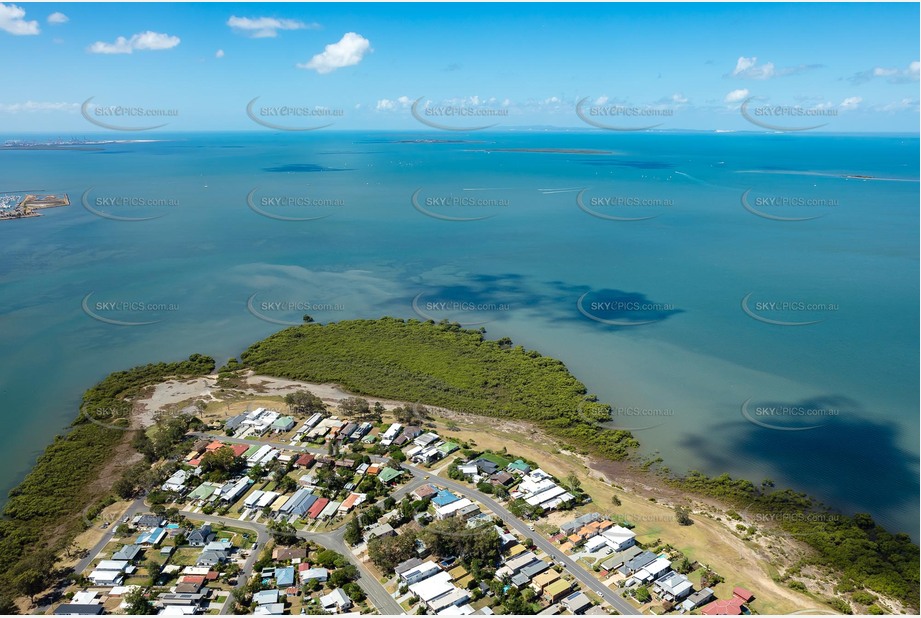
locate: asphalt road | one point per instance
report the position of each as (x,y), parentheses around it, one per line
(133,509)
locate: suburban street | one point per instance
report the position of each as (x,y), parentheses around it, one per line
(330,540)
(571,566)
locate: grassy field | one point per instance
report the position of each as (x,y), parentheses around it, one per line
(706,540)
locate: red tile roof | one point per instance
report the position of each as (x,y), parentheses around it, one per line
(723,607)
(350,501)
(305,460)
(742,593)
(214,446)
(318,506)
(239,449)
(192,579)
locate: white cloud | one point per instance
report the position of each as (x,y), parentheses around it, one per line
(737,95)
(851,103)
(679,98)
(386,105)
(349,51)
(143,41)
(11,20)
(890,74)
(58,18)
(219,53)
(265,27)
(748,67)
(38,106)
(898,106)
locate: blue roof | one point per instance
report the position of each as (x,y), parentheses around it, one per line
(151,536)
(444,497)
(284,576)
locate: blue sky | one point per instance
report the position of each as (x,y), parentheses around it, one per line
(852,66)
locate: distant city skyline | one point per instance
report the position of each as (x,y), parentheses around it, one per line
(262,67)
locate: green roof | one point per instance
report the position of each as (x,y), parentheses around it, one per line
(557,587)
(388,474)
(519,465)
(252,450)
(448,447)
(283,421)
(202,491)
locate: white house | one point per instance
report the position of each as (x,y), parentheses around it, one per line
(177,481)
(418,573)
(619,538)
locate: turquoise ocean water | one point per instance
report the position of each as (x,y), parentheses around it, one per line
(817,390)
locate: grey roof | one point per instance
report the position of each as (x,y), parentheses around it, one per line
(200,536)
(577,601)
(407,565)
(698,598)
(234,421)
(78,609)
(536,568)
(618,558)
(521,579)
(552,610)
(128,552)
(578,522)
(485,466)
(149,520)
(212,557)
(639,561)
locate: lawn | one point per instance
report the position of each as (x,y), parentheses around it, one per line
(499,460)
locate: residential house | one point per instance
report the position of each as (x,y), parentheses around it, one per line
(388,475)
(200,536)
(148,521)
(283,424)
(425,439)
(176,482)
(128,552)
(723,607)
(306,574)
(619,538)
(484,466)
(284,577)
(265,597)
(697,599)
(304,461)
(426,491)
(573,525)
(541,581)
(557,591)
(78,609)
(284,554)
(351,502)
(336,601)
(419,572)
(518,467)
(636,563)
(379,531)
(653,570)
(577,602)
(672,587)
(451,508)
(502,478)
(406,565)
(151,538)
